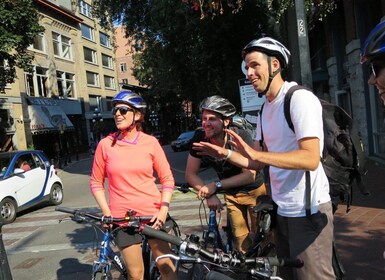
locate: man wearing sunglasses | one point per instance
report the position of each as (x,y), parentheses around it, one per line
(373,53)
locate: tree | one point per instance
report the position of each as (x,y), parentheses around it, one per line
(18,28)
(181,55)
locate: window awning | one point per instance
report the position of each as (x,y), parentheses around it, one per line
(48,119)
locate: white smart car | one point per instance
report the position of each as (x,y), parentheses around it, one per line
(26,179)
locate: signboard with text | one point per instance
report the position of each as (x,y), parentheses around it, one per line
(249,97)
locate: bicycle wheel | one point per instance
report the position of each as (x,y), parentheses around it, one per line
(99,271)
(102,275)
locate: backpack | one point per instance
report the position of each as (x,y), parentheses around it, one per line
(242,123)
(343,157)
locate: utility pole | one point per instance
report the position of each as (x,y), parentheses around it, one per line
(303,45)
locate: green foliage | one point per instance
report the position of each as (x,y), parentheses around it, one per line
(18,28)
(181,56)
(316,10)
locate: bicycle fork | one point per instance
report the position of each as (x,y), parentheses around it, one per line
(102,265)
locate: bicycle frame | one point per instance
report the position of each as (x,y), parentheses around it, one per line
(106,253)
(212,234)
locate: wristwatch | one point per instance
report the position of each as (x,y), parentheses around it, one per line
(218,184)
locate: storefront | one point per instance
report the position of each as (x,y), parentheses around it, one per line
(53,129)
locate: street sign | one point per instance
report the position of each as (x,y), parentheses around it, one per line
(249,97)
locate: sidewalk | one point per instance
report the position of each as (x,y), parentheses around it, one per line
(360,234)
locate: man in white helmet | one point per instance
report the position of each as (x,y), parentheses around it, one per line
(304,228)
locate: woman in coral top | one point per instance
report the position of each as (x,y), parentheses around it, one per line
(128,159)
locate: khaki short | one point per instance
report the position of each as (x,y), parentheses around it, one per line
(239,206)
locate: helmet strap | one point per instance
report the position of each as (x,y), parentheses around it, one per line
(271,76)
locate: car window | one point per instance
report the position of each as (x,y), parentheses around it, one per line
(5,161)
(185,135)
(37,159)
(26,162)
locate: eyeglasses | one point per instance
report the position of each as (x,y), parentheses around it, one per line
(122,110)
(376,69)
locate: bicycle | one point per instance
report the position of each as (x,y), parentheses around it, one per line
(190,251)
(212,237)
(261,244)
(102,267)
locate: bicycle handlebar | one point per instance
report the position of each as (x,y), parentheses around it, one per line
(79,215)
(218,257)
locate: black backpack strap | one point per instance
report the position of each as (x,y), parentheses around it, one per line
(286,110)
(308,195)
(260,123)
(286,105)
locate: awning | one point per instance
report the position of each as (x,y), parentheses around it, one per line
(48,118)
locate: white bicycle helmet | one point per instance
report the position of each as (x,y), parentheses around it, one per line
(270,47)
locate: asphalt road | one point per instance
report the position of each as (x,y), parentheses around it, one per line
(41,246)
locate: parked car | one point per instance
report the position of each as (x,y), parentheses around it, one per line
(26,179)
(183,142)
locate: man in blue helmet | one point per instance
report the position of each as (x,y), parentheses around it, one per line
(373,53)
(299,186)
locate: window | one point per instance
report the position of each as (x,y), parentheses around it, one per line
(107,61)
(125,81)
(104,40)
(109,103)
(109,82)
(65,84)
(92,79)
(87,32)
(61,45)
(37,82)
(123,67)
(95,102)
(85,9)
(38,42)
(90,55)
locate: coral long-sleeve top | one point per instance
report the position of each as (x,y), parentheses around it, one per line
(129,167)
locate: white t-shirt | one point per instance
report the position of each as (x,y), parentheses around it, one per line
(288,186)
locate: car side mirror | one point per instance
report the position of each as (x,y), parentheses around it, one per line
(18,171)
(43,166)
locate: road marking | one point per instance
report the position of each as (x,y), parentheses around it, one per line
(185,211)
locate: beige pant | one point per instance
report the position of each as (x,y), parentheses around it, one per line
(239,208)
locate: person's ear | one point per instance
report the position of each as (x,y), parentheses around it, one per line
(275,64)
(138,115)
(226,122)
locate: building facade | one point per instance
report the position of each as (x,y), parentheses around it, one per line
(53,108)
(337,74)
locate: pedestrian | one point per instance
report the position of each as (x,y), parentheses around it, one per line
(241,186)
(289,155)
(128,158)
(373,53)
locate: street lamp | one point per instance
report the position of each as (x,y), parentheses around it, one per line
(97,120)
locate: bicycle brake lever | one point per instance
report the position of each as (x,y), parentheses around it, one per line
(78,219)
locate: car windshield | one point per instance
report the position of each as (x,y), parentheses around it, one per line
(186,135)
(4,164)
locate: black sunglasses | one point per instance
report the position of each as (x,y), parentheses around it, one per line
(376,68)
(122,110)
